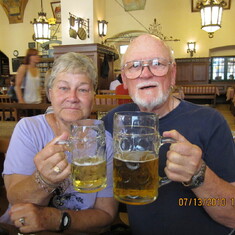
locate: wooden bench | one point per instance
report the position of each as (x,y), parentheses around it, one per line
(200,92)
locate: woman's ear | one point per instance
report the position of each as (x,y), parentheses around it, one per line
(49,94)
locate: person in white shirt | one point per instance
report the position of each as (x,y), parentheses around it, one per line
(115,83)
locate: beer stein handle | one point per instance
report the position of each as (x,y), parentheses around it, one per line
(61,142)
(165,140)
(163,181)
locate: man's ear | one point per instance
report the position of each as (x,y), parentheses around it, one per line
(124,81)
(173,74)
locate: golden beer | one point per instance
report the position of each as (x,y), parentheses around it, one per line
(89,174)
(136,182)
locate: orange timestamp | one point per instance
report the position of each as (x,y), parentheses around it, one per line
(206,201)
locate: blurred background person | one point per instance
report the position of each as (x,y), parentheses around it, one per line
(121,90)
(115,83)
(11,91)
(27,87)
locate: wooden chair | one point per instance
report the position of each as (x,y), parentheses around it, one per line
(110,99)
(8,114)
(5,99)
(106,92)
(107,100)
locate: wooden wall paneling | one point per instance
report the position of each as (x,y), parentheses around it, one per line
(200,72)
(183,73)
(192,71)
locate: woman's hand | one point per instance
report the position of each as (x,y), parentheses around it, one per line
(51,161)
(32,218)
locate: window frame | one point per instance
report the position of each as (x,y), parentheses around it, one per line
(224,64)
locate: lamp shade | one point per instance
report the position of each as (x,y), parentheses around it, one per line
(102,27)
(41,28)
(211,17)
(191,48)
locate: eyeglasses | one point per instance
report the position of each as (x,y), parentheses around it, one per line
(157,66)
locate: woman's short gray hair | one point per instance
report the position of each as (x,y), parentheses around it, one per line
(72,62)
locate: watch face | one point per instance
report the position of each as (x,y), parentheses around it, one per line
(66,221)
(199,181)
(15,53)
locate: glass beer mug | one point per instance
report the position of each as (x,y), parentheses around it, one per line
(135,165)
(87,145)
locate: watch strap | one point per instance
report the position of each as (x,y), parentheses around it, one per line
(65,221)
(197,179)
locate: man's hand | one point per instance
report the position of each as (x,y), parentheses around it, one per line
(183,158)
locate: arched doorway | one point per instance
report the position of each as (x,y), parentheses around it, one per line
(4,68)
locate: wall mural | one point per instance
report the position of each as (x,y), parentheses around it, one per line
(14,10)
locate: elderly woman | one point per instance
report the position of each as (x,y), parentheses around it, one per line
(39,194)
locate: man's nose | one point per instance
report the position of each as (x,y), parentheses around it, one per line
(146,72)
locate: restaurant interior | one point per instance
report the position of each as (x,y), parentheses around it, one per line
(102,29)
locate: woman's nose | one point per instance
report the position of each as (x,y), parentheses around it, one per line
(73,95)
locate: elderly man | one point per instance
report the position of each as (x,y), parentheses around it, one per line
(201,198)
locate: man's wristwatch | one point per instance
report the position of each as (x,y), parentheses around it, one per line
(198,178)
(64,222)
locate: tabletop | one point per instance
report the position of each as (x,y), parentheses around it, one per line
(7,229)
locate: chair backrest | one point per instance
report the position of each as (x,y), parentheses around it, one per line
(120,90)
(110,99)
(5,99)
(106,92)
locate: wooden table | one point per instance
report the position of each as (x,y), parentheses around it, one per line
(12,230)
(229,93)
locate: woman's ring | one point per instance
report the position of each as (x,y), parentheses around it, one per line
(56,169)
(22,220)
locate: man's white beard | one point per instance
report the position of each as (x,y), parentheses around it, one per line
(152,104)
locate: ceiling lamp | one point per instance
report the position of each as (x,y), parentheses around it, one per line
(41,27)
(211,15)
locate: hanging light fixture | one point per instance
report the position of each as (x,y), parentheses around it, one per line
(211,15)
(41,27)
